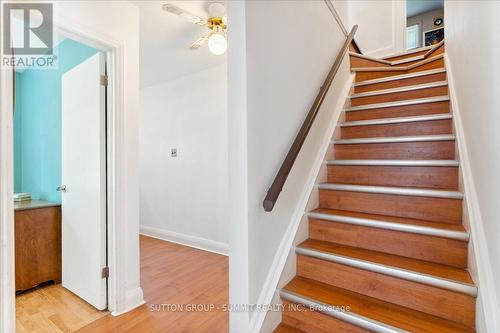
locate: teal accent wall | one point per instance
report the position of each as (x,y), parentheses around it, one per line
(37,124)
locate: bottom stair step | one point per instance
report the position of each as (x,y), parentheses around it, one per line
(435,289)
(340,310)
(414,284)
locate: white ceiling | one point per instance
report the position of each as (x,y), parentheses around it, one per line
(416,7)
(165,40)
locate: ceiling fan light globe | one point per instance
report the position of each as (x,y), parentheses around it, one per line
(217,44)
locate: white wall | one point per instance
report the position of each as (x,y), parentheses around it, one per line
(283,80)
(184,198)
(342,8)
(269,96)
(473,50)
(382,25)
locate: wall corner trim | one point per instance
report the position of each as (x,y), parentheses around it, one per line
(280,258)
(184,239)
(487,294)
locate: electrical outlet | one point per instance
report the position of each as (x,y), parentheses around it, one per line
(173,152)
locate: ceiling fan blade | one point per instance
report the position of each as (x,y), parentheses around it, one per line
(200,41)
(181,12)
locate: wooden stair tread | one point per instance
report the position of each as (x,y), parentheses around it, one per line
(425,51)
(373,309)
(398,67)
(409,264)
(425,150)
(418,109)
(409,53)
(395,219)
(436,177)
(368,73)
(406,80)
(283,328)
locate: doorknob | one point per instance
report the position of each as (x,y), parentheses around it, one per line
(61,188)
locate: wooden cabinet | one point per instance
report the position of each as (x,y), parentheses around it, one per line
(37,246)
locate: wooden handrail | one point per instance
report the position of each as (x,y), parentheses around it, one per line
(286,166)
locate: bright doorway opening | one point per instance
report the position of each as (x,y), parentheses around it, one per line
(60,190)
(424,23)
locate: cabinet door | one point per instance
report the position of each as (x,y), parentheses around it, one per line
(37,247)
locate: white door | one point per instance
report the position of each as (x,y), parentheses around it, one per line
(84,181)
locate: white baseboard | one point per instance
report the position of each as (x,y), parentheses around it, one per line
(280,258)
(133,299)
(188,240)
(489,304)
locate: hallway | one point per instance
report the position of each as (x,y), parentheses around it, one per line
(177,275)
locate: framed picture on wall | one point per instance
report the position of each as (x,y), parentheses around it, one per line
(434,36)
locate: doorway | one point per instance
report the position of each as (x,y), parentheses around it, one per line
(424,23)
(60,167)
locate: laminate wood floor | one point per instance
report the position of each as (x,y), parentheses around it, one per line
(53,309)
(177,275)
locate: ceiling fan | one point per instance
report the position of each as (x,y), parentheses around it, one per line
(216,22)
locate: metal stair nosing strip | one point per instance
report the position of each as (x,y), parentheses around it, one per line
(400,77)
(395,226)
(409,163)
(396,139)
(347,316)
(398,103)
(400,89)
(397,120)
(406,191)
(397,272)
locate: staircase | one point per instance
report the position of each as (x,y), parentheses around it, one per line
(387,251)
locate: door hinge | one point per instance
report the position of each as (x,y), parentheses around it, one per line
(104,80)
(105,272)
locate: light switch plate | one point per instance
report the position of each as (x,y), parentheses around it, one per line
(173,152)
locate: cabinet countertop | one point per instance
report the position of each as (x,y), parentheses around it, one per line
(34,204)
